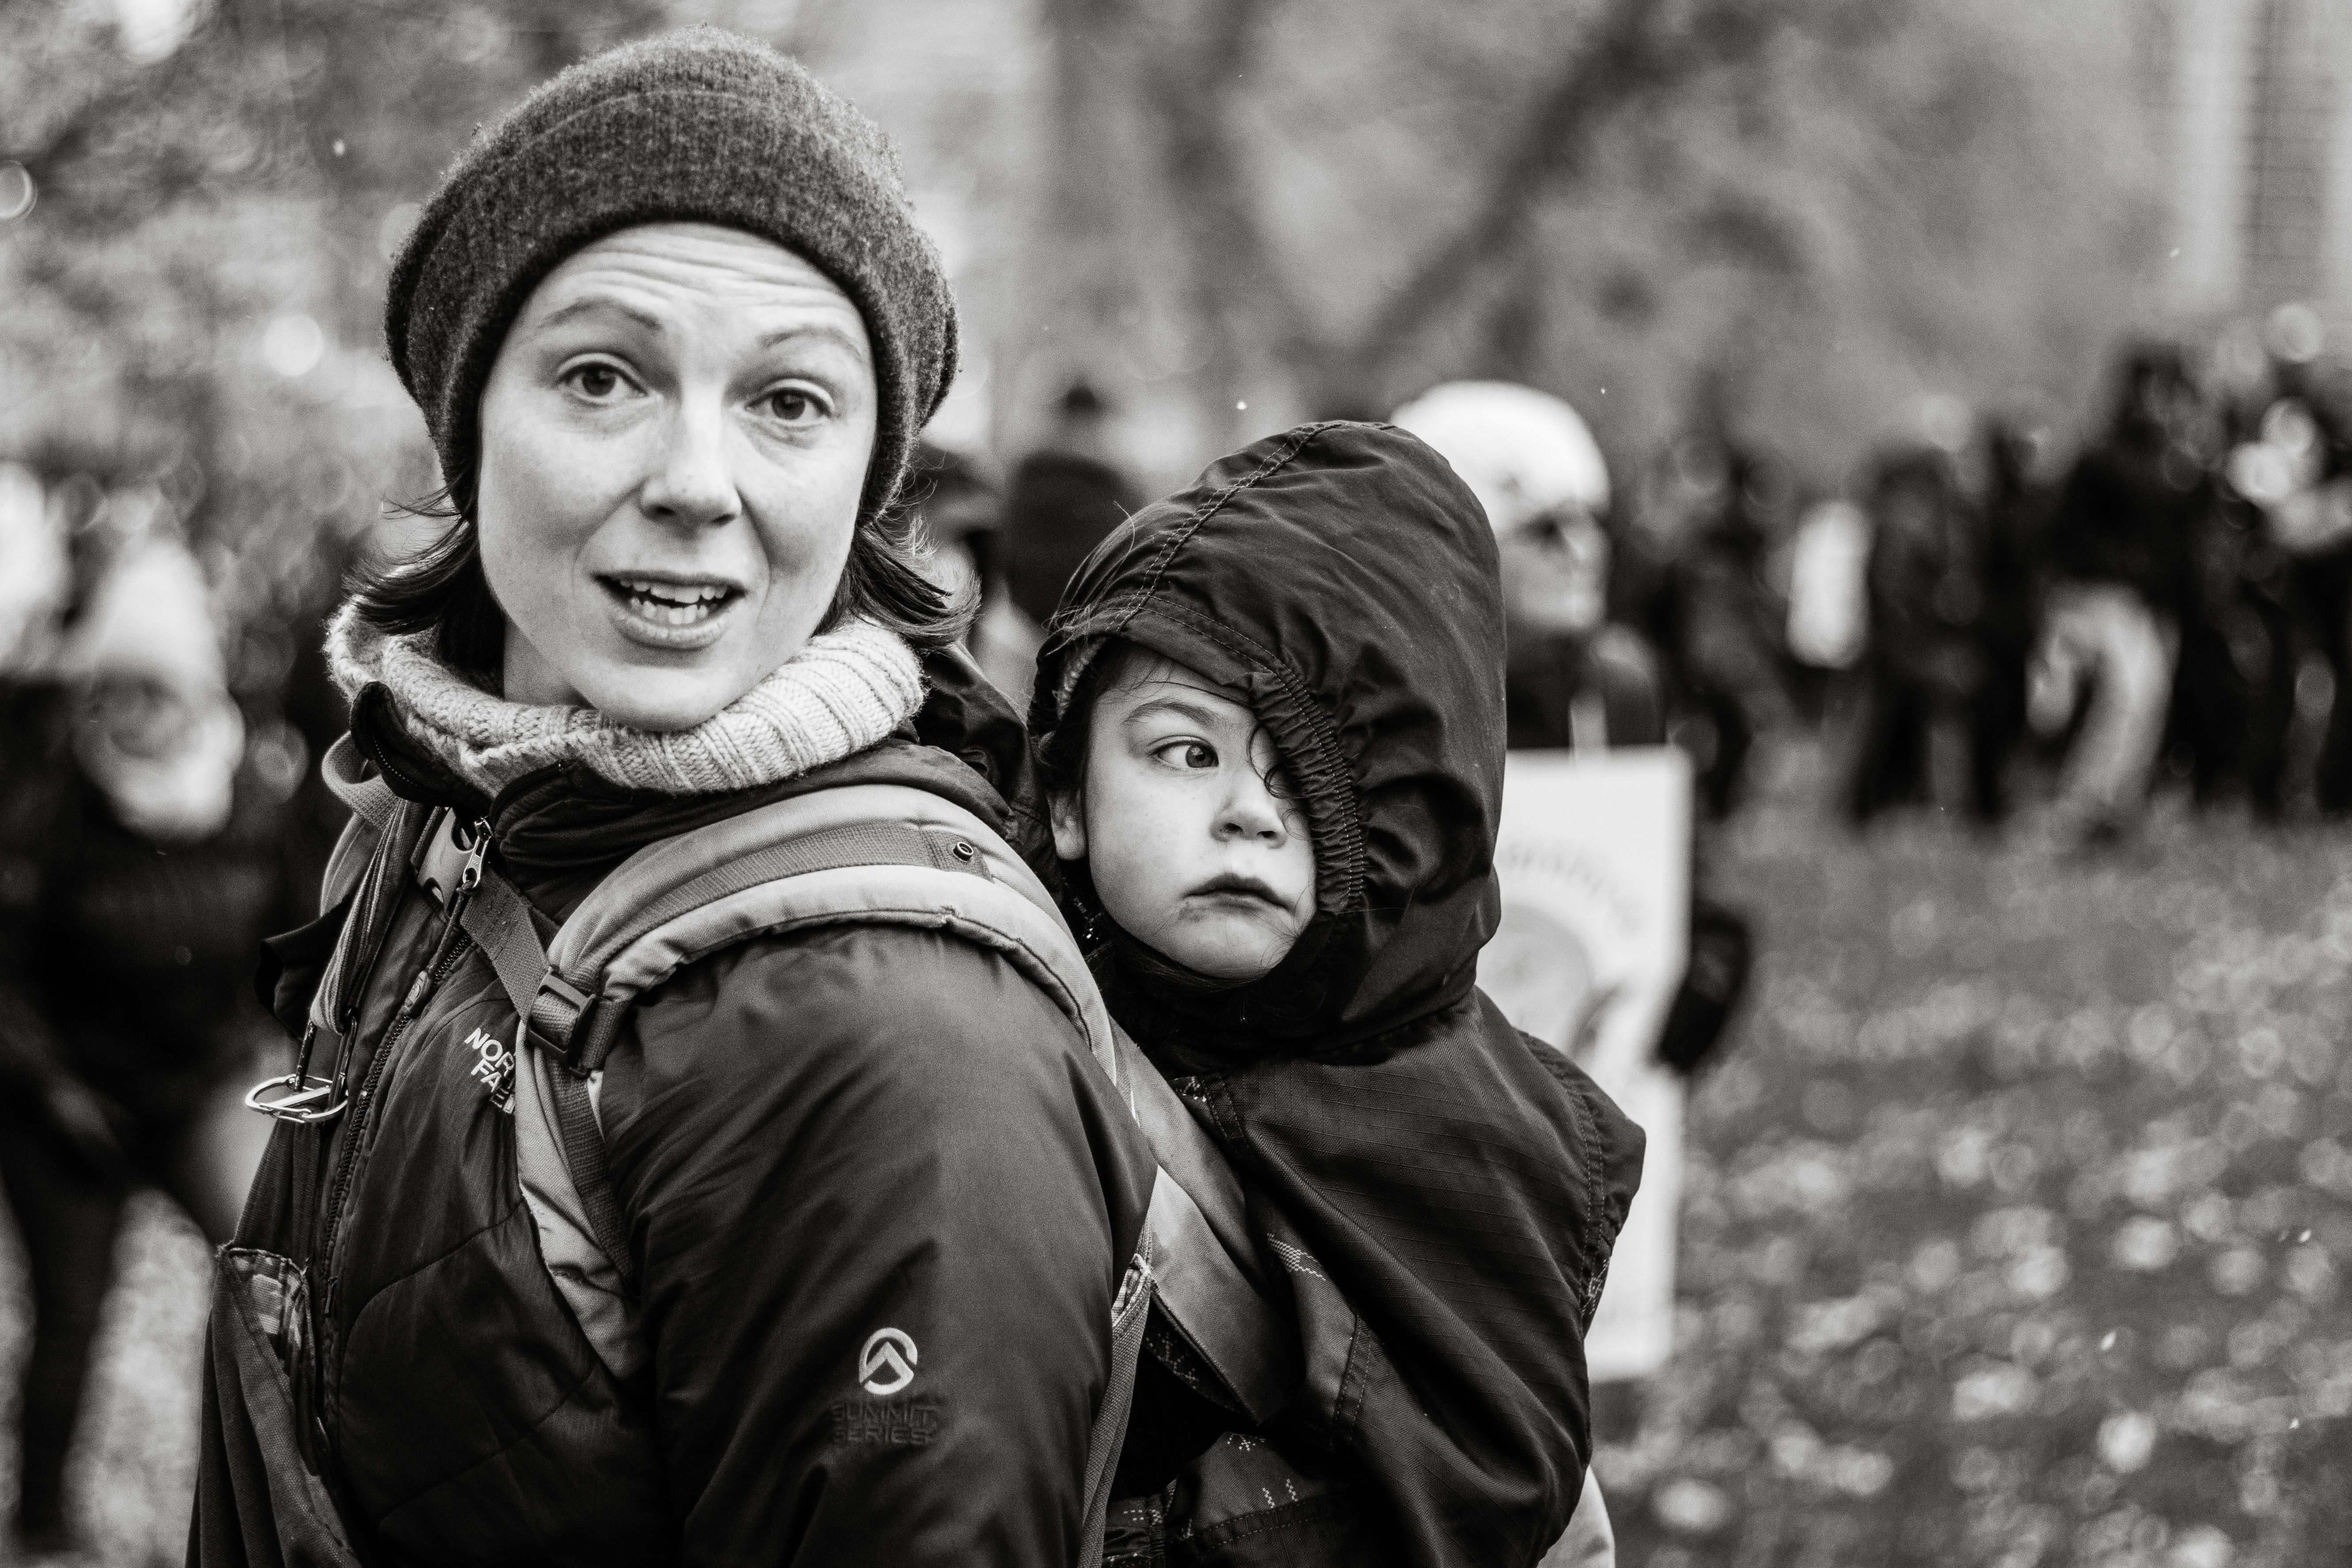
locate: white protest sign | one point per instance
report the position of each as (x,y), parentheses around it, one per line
(1594,856)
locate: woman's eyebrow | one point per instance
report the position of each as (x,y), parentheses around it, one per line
(828,331)
(592,304)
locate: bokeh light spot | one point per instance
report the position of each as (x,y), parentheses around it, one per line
(153,30)
(292,344)
(17,192)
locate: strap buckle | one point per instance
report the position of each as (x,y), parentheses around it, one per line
(449,861)
(556,1009)
(310,1100)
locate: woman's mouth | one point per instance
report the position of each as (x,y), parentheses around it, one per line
(669,613)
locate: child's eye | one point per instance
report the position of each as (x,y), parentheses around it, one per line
(1188,754)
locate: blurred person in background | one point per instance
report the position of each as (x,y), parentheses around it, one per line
(2295,466)
(1926,669)
(1718,621)
(142,860)
(1064,497)
(1574,678)
(2239,726)
(2118,548)
(962,516)
(2013,513)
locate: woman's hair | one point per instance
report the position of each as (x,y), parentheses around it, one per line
(442,590)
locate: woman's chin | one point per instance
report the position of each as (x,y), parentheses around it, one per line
(663,700)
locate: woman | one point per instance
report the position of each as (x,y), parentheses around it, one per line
(674,330)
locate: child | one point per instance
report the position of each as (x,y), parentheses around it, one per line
(1270,712)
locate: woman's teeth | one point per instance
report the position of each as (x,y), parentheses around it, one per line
(669,605)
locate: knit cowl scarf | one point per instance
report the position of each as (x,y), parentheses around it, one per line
(845,690)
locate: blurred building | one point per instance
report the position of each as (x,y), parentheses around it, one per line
(2255,101)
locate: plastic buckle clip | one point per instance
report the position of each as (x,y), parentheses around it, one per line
(555,1015)
(449,865)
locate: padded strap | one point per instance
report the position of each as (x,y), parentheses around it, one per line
(828,850)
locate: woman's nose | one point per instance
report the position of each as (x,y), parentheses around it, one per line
(692,483)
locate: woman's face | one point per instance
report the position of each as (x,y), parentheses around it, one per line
(674,442)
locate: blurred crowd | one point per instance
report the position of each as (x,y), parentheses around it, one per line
(1991,615)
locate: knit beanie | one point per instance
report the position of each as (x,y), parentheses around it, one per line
(697,126)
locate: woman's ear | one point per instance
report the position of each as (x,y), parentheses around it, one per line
(1068,813)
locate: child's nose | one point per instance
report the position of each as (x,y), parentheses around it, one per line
(1250,810)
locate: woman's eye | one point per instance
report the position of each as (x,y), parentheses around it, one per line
(793,406)
(597,383)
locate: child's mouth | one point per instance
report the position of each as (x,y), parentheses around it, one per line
(1233,887)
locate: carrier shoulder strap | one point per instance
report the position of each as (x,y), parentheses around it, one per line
(372,804)
(872,854)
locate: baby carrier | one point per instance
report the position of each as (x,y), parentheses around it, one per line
(871,854)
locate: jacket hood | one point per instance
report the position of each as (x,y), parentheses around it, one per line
(1344,581)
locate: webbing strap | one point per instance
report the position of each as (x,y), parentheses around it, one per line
(584,1150)
(370,798)
(499,922)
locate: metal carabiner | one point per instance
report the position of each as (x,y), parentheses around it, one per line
(303,1107)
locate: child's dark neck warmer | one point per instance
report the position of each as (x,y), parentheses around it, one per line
(1163,1003)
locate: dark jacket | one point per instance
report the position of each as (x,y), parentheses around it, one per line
(813,1137)
(1614,674)
(1441,1192)
(2126,514)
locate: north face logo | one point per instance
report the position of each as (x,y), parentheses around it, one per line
(494,1065)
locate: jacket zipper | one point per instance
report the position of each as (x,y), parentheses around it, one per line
(446,952)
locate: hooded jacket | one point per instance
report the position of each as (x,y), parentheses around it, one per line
(816,1138)
(1440,1190)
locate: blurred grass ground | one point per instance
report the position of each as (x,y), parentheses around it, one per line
(2016,1231)
(2016,1225)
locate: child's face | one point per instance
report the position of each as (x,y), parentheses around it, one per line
(1190,849)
